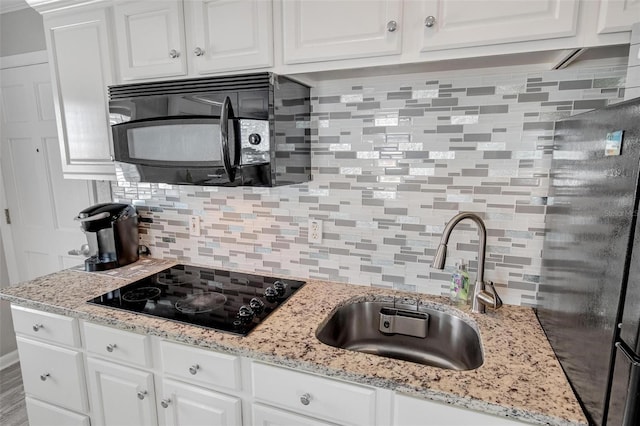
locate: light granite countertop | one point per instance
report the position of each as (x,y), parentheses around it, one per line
(520,378)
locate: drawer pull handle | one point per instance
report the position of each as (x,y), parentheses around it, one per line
(37,327)
(44,376)
(305,399)
(194,369)
(165,403)
(111,347)
(142,395)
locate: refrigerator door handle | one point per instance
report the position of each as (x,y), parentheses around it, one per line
(626,350)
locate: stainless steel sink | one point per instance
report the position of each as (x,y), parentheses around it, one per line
(451,342)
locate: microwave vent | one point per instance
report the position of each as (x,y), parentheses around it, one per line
(231,83)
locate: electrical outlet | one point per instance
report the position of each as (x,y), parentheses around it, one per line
(194,226)
(315,231)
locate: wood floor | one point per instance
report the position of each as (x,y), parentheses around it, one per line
(12,409)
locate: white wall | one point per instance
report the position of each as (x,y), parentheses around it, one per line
(21,32)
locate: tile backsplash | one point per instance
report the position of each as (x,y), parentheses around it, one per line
(393,159)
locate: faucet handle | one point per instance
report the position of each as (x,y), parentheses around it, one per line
(498,301)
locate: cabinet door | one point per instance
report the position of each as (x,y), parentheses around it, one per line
(150,38)
(80,60)
(183,404)
(229,35)
(43,414)
(53,374)
(267,416)
(120,396)
(462,23)
(319,30)
(618,15)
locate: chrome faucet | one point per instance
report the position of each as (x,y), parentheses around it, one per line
(481,297)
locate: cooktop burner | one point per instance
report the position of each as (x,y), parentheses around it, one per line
(212,298)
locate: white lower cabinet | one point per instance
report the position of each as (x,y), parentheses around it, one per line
(135,380)
(120,395)
(182,404)
(43,414)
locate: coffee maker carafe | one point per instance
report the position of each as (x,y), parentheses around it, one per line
(112,235)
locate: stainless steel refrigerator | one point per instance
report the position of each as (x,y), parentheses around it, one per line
(590,285)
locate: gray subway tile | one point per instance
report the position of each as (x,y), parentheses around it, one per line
(533,97)
(440,102)
(590,104)
(575,85)
(478,91)
(494,109)
(455,128)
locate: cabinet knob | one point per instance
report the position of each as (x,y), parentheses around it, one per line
(198,51)
(392,26)
(305,399)
(194,369)
(37,327)
(142,395)
(430,21)
(111,347)
(173,53)
(165,403)
(44,377)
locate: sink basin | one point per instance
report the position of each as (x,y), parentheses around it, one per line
(451,342)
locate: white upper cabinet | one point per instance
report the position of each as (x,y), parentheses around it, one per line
(463,23)
(225,35)
(150,37)
(221,35)
(618,15)
(321,30)
(81,66)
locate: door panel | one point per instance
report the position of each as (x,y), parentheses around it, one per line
(233,34)
(150,38)
(317,30)
(463,23)
(121,396)
(194,406)
(41,203)
(80,91)
(617,15)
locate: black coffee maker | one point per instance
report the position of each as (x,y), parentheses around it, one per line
(112,235)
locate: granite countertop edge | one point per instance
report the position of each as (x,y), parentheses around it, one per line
(233,345)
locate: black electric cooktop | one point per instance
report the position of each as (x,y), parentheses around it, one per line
(222,300)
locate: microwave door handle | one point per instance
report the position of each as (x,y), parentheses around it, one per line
(225,116)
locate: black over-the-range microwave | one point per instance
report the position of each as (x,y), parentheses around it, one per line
(246,130)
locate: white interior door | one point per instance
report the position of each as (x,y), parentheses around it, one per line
(40,202)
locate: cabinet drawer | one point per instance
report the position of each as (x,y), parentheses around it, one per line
(43,414)
(117,345)
(314,396)
(53,374)
(207,368)
(43,325)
